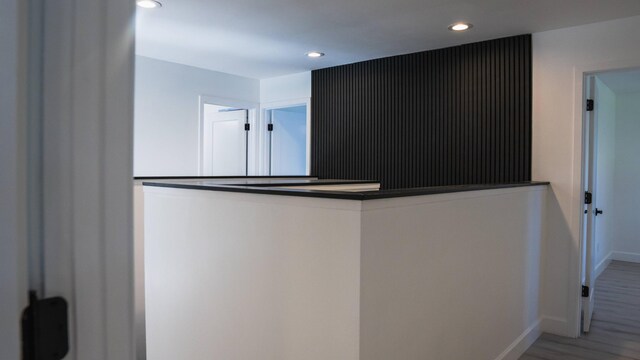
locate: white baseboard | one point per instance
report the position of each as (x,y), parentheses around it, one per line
(603,264)
(522,343)
(625,256)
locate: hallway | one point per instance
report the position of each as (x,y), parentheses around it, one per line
(615,330)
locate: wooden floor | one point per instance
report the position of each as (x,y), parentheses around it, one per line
(615,328)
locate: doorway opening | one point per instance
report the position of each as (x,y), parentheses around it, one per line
(610,244)
(287,152)
(226,142)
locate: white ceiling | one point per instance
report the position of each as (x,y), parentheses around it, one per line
(622,82)
(266,38)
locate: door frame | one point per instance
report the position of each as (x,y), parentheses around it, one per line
(14,175)
(264,136)
(574,285)
(85,160)
(589,180)
(87,171)
(252,138)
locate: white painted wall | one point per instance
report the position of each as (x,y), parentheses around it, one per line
(409,278)
(627,175)
(557,141)
(166,113)
(605,109)
(452,276)
(288,87)
(245,276)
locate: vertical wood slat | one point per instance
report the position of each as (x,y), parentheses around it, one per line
(459,115)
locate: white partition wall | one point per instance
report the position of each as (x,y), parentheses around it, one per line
(452,276)
(249,276)
(241,276)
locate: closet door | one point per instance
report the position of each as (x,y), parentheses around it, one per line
(225,143)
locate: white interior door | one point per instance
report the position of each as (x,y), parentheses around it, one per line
(590,176)
(225,143)
(288,150)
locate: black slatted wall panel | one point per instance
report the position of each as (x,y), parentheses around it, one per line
(460,115)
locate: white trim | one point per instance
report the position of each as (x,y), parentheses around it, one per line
(590,181)
(576,215)
(242,104)
(522,342)
(264,143)
(624,256)
(308,137)
(617,256)
(602,265)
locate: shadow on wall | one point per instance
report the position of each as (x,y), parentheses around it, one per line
(558,244)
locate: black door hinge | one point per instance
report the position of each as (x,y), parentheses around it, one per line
(585,291)
(589,104)
(270,127)
(45,329)
(588,198)
(247,127)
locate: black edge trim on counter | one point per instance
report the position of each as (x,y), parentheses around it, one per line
(347,195)
(313,183)
(222,177)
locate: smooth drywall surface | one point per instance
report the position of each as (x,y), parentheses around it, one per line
(627,174)
(452,277)
(408,278)
(167,113)
(246,276)
(285,88)
(556,54)
(605,108)
(138,270)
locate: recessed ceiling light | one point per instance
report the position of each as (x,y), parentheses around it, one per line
(315,54)
(148,4)
(460,27)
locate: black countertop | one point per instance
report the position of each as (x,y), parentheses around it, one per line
(273,186)
(302,177)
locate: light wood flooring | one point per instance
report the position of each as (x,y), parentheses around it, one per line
(615,328)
